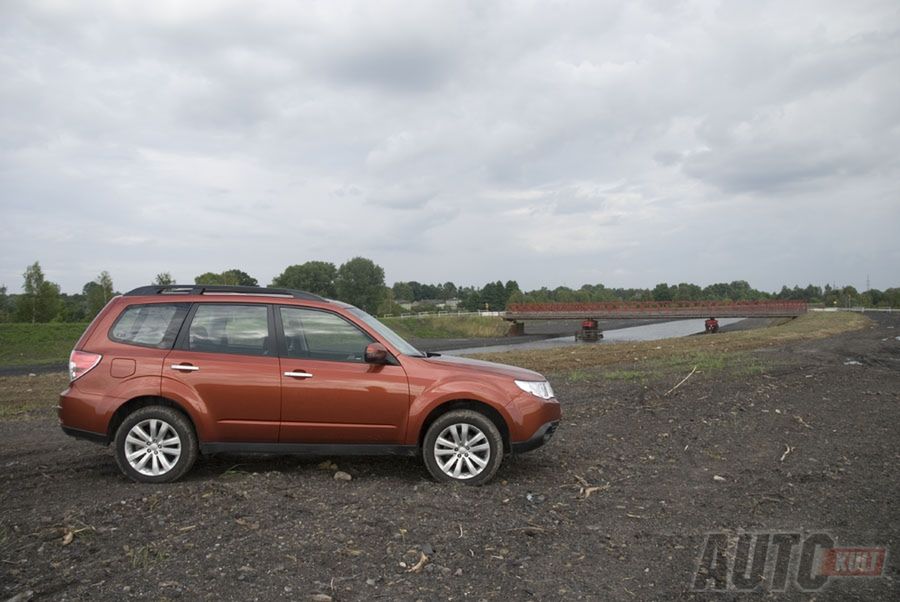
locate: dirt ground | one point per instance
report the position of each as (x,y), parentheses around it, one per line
(708,457)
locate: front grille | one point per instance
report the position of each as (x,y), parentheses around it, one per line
(551,429)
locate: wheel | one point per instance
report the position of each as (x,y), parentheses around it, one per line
(463,446)
(155,444)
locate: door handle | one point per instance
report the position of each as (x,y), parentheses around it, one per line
(299,374)
(184,367)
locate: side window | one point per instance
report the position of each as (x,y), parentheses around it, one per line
(322,335)
(223,328)
(153,325)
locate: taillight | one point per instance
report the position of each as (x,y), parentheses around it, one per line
(81,362)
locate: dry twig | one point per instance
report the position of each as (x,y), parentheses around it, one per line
(683,380)
(787,449)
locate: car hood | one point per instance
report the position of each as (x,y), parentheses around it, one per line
(457,363)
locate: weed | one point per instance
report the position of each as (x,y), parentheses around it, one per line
(143,557)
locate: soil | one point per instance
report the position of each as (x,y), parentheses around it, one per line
(708,457)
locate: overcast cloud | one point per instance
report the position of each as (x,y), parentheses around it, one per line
(626,143)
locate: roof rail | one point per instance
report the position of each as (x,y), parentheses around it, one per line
(218,289)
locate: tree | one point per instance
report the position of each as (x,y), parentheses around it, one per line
(316,277)
(661,292)
(687,292)
(164,279)
(233,277)
(34,279)
(4,304)
(239,278)
(511,288)
(403,291)
(98,293)
(40,303)
(387,305)
(360,282)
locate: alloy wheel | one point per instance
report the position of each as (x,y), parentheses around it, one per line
(152,447)
(462,451)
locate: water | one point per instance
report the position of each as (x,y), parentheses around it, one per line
(647,332)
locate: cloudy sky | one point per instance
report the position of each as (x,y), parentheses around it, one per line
(553,143)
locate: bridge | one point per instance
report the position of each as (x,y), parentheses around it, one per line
(589,313)
(651,310)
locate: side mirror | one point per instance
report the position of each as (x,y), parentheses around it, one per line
(376,353)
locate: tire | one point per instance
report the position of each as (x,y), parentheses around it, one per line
(451,463)
(140,437)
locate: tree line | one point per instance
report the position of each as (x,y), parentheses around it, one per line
(360,282)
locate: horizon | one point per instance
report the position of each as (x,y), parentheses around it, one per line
(10,290)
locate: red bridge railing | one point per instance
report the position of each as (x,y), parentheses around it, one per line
(621,309)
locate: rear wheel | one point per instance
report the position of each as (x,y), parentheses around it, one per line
(463,446)
(155,444)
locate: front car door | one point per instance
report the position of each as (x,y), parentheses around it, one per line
(329,393)
(226,361)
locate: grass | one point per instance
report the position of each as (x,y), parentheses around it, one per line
(651,358)
(21,395)
(143,557)
(622,374)
(42,344)
(35,344)
(449,327)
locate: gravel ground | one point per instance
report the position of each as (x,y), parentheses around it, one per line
(616,507)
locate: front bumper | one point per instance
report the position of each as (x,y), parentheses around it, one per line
(541,437)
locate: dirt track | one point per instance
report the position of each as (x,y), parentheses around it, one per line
(282,528)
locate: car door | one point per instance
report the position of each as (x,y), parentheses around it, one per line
(226,360)
(329,393)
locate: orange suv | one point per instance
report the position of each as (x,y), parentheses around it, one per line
(165,373)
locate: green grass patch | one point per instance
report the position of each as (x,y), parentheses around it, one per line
(623,374)
(35,344)
(449,327)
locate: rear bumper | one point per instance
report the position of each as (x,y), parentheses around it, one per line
(91,436)
(541,437)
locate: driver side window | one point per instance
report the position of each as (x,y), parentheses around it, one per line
(321,335)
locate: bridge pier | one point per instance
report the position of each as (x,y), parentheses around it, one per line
(516,329)
(590,331)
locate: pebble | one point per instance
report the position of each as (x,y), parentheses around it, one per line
(342,476)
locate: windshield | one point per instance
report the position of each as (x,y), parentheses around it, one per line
(392,337)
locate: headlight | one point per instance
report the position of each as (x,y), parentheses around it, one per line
(540,388)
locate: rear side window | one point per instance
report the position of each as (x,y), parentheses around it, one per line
(154,325)
(223,328)
(322,335)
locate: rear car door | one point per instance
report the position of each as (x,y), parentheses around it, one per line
(226,361)
(329,393)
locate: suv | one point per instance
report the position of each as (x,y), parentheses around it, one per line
(165,373)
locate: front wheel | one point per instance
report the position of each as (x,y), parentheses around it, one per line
(463,446)
(155,444)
